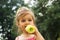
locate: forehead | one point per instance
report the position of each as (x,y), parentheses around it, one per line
(24,16)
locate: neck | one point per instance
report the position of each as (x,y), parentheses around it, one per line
(25,34)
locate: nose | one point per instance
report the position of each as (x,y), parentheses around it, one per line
(27,23)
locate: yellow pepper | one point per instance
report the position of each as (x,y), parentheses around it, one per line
(30,29)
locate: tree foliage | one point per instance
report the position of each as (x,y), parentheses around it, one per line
(47,18)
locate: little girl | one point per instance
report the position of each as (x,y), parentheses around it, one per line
(24,17)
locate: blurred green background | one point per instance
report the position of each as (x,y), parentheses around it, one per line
(47,14)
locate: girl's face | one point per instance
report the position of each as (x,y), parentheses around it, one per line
(24,21)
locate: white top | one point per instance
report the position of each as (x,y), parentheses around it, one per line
(23,38)
(20,38)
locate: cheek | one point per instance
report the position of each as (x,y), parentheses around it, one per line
(32,23)
(21,25)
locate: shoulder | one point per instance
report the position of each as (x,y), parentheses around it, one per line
(18,37)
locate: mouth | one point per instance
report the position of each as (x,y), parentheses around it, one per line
(25,26)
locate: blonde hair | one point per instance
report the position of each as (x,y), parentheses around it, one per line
(21,11)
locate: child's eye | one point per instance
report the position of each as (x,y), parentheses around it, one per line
(23,20)
(29,20)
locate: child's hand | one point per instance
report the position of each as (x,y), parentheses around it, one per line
(38,34)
